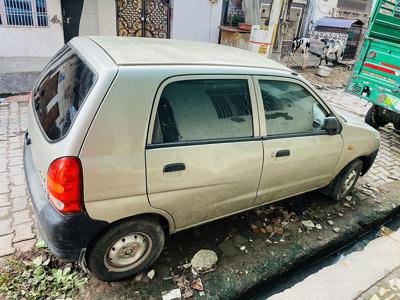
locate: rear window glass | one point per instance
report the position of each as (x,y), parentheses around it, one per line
(61,92)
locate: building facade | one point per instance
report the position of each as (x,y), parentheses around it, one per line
(38,28)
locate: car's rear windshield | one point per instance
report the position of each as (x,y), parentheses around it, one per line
(60,93)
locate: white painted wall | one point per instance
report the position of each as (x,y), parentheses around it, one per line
(324,8)
(98,18)
(34,41)
(107,17)
(196,20)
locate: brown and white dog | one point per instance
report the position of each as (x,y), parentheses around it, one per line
(302,45)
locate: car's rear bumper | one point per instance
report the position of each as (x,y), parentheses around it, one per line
(65,235)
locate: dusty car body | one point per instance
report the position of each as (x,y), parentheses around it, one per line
(130,139)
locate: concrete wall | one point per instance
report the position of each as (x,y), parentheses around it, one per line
(196,20)
(98,18)
(34,41)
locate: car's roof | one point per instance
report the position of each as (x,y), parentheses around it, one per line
(147,51)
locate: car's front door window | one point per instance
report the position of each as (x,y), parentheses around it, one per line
(290,108)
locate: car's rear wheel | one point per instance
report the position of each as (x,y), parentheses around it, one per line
(125,249)
(341,186)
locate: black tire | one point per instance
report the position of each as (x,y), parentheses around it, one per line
(97,261)
(373,120)
(336,190)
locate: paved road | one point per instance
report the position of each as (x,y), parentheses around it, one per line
(16,218)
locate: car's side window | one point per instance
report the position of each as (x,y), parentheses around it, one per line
(195,110)
(290,108)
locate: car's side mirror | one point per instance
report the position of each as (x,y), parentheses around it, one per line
(331,125)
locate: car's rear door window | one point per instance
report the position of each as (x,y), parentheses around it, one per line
(195,110)
(61,92)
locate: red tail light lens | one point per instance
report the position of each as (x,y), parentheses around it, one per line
(64,184)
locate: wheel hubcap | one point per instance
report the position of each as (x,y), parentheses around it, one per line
(127,252)
(350,180)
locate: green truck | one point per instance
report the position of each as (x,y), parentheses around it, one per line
(376,76)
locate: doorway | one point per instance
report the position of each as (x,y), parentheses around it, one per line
(71,16)
(143,18)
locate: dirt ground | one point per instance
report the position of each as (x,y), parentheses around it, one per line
(337,79)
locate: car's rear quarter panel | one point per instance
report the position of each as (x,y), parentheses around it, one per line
(44,152)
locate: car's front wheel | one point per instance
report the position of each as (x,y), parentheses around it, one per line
(125,249)
(373,119)
(344,181)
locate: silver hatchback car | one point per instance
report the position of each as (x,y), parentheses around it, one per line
(132,139)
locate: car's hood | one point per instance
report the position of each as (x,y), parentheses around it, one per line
(350,117)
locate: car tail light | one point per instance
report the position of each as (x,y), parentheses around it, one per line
(64,184)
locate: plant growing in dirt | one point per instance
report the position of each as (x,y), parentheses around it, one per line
(39,275)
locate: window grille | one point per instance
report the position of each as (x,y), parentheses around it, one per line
(23,13)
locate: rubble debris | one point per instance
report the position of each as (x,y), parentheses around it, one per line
(308,224)
(340,214)
(182,283)
(187,294)
(318,226)
(242,248)
(336,229)
(138,277)
(151,274)
(349,198)
(276,221)
(384,231)
(197,285)
(171,295)
(269,229)
(382,291)
(300,231)
(330,222)
(204,260)
(374,297)
(394,284)
(345,204)
(278,230)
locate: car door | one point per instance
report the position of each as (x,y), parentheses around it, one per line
(299,155)
(204,153)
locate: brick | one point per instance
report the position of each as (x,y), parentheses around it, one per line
(23,232)
(4,189)
(21,217)
(18,180)
(24,246)
(5,227)
(19,203)
(16,170)
(6,247)
(18,191)
(4,211)
(4,200)
(14,161)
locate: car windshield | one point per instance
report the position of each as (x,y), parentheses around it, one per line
(60,93)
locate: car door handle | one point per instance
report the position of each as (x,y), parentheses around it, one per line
(282,153)
(174,167)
